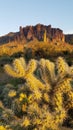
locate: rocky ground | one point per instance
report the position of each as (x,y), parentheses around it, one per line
(65,128)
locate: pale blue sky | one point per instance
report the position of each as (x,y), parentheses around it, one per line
(15,13)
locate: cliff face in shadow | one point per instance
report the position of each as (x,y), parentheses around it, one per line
(7,38)
(30,33)
(69,38)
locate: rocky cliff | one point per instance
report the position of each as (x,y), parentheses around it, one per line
(69,38)
(29,33)
(32,32)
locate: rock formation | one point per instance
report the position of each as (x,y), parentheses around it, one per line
(30,33)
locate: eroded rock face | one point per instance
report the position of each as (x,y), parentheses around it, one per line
(30,33)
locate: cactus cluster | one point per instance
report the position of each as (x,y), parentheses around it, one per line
(42,103)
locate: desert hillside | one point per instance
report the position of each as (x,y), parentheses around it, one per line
(36,80)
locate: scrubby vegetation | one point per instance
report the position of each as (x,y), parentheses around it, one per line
(44,101)
(11,48)
(36,93)
(36,80)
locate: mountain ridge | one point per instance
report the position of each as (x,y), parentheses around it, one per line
(29,33)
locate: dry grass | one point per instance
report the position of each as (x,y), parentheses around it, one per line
(13,47)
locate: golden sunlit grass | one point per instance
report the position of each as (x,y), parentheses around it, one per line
(52,47)
(11,48)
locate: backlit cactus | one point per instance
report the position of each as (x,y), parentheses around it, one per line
(20,70)
(43,102)
(62,67)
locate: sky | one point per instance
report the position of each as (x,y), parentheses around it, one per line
(15,13)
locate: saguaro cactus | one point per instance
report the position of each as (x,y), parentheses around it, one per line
(45,37)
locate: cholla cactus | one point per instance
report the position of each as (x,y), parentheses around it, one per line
(42,103)
(62,67)
(20,70)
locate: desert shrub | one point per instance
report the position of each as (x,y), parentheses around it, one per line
(28,54)
(17,55)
